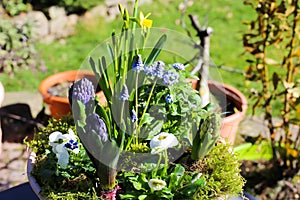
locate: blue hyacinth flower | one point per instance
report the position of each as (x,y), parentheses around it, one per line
(82,90)
(96,124)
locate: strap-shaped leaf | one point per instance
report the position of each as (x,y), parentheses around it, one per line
(156,50)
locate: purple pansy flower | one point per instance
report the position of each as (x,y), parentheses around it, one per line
(169,99)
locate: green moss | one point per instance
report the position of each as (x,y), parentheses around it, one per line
(221,170)
(77,181)
(40,142)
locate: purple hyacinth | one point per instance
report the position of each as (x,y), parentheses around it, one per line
(169,98)
(138,64)
(82,90)
(179,66)
(170,77)
(95,123)
(124,96)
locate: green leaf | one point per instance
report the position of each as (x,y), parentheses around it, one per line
(93,66)
(147,119)
(176,176)
(248,151)
(153,129)
(127,196)
(137,185)
(78,109)
(142,197)
(190,189)
(156,50)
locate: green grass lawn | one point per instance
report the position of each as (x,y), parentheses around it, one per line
(225,17)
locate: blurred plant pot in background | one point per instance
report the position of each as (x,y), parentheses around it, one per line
(59,105)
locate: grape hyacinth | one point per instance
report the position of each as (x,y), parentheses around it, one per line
(149,70)
(138,64)
(158,69)
(170,78)
(95,123)
(133,116)
(82,90)
(124,96)
(179,66)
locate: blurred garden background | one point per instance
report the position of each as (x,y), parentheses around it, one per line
(97,18)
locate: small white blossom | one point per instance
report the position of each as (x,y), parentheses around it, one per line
(61,145)
(162,141)
(157,184)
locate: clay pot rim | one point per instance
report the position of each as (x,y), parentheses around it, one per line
(56,78)
(229,91)
(236,96)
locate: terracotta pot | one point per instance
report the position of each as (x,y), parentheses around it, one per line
(227,95)
(60,106)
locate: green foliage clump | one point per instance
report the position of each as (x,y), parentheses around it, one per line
(213,176)
(76,181)
(221,170)
(14,7)
(180,184)
(273,41)
(17,49)
(139,148)
(40,142)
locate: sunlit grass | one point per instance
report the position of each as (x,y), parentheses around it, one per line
(225,17)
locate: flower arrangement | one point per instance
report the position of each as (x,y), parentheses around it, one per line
(152,139)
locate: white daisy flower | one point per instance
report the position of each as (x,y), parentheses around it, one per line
(156,184)
(162,141)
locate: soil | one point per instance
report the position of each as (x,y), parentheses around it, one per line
(61,89)
(271,180)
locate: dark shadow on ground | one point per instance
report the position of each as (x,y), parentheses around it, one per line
(17,122)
